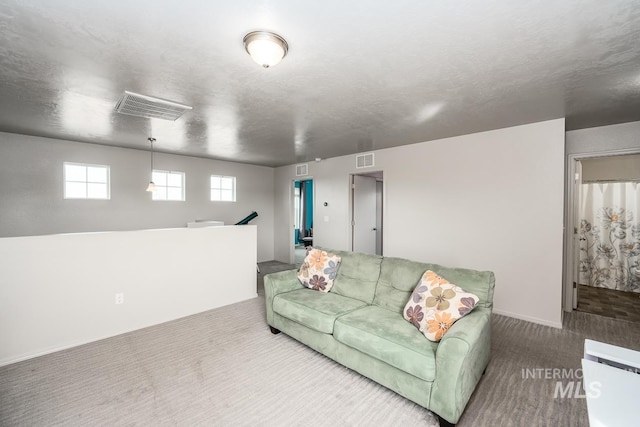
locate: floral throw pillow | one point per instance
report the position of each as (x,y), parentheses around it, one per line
(436,304)
(319,269)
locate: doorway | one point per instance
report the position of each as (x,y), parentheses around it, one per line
(367,199)
(606,236)
(303,193)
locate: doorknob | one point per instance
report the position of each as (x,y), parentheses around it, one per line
(373,229)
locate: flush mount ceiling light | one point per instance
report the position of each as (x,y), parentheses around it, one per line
(152,186)
(266,48)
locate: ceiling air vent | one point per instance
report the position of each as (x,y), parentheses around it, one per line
(302,169)
(364,160)
(138,105)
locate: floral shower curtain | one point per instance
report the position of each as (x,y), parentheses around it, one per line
(610,235)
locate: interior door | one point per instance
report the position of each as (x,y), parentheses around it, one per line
(363,221)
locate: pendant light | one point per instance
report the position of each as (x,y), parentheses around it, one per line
(152,186)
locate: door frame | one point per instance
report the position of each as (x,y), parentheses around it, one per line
(292,211)
(572,222)
(383,212)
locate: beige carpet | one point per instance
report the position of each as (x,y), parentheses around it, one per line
(224,368)
(221,368)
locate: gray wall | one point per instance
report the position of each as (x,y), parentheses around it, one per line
(32,202)
(488,201)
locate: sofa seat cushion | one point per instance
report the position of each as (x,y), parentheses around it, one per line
(386,336)
(315,310)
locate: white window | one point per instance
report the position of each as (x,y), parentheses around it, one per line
(223,188)
(84,181)
(169,185)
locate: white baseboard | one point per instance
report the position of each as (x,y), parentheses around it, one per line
(557,325)
(55,349)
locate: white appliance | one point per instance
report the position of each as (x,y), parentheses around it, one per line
(612,384)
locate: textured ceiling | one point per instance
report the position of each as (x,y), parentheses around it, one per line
(360,75)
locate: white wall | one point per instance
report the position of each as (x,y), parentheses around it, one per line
(32,203)
(283,225)
(488,201)
(58,291)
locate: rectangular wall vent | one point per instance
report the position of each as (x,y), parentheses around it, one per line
(302,169)
(364,160)
(134,104)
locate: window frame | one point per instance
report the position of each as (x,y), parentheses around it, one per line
(233,188)
(86,182)
(183,186)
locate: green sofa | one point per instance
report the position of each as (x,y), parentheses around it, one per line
(359,324)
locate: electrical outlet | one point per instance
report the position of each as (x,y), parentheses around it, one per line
(120,298)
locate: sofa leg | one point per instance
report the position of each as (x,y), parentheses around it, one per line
(274,330)
(444,423)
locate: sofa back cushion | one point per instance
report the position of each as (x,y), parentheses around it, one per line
(357,275)
(398,278)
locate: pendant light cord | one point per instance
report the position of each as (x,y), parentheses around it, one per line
(151,140)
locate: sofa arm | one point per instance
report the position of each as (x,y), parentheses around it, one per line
(461,357)
(278,283)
